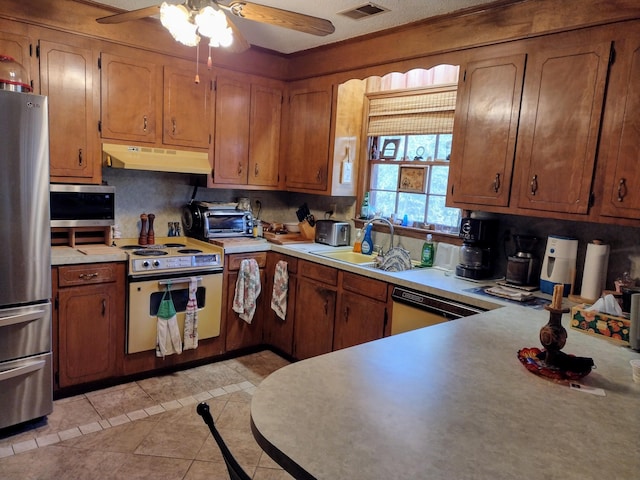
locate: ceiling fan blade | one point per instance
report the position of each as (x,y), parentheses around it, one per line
(132,15)
(282,18)
(240,43)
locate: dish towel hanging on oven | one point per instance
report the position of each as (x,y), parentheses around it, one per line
(247,289)
(168,339)
(191,317)
(280,289)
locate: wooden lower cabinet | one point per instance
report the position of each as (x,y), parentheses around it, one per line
(89,308)
(362,313)
(278,332)
(240,334)
(315,313)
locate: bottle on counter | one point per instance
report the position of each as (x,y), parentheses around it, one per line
(428,250)
(357,244)
(364,209)
(367,243)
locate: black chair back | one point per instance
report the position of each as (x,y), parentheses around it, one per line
(236,472)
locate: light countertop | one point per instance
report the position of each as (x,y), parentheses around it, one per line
(452,401)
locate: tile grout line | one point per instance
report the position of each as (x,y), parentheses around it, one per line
(104,424)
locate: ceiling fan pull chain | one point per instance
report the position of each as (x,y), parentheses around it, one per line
(197,79)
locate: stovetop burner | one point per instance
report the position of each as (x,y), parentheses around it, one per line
(174,245)
(150,253)
(131,247)
(189,250)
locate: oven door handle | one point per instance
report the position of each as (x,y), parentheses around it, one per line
(172,281)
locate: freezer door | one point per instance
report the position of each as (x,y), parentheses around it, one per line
(25,390)
(25,331)
(24,211)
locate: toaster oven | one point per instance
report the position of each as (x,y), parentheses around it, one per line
(205,220)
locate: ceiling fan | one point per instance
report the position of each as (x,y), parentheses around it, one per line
(250,11)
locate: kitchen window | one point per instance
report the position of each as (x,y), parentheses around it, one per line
(409,142)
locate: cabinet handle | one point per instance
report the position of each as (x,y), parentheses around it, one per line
(319,175)
(88,276)
(622,189)
(173,126)
(534,184)
(80,157)
(104,306)
(144,123)
(346,314)
(255,170)
(239,168)
(326,308)
(496,183)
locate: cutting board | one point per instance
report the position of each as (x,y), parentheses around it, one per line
(284,238)
(99,250)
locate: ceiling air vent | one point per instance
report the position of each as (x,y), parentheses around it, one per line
(364,11)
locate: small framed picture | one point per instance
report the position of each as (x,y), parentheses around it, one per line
(390,149)
(412,179)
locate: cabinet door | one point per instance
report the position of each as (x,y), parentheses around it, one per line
(87,333)
(264,136)
(231,142)
(67,78)
(18,47)
(129,97)
(359,319)
(309,123)
(187,109)
(313,330)
(559,125)
(622,181)
(278,332)
(485,129)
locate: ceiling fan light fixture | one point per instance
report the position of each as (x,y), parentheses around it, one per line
(212,23)
(177,19)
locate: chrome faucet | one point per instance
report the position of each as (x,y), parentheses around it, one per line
(384,220)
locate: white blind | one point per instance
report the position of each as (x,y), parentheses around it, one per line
(414,113)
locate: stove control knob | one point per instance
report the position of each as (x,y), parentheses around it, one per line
(156,263)
(145,264)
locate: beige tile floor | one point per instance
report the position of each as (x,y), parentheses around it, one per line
(148,429)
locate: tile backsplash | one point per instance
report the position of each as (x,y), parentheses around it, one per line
(164,195)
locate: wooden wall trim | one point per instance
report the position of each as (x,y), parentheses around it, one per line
(505,21)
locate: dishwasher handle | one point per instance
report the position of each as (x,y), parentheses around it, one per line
(434,304)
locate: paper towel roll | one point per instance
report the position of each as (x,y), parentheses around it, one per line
(634,330)
(595,271)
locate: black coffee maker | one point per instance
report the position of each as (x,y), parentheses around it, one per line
(522,266)
(476,254)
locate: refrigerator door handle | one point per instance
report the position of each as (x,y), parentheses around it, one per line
(22,317)
(22,370)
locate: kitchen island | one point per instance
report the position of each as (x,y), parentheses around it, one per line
(452,401)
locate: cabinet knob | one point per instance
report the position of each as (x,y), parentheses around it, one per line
(144,123)
(622,189)
(239,168)
(496,183)
(80,160)
(534,184)
(255,170)
(173,126)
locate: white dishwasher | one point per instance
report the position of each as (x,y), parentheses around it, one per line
(413,309)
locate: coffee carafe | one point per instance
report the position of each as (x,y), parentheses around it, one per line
(522,266)
(475,261)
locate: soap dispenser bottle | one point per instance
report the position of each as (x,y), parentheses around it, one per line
(357,244)
(367,243)
(427,252)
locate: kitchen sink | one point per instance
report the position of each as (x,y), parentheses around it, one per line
(348,256)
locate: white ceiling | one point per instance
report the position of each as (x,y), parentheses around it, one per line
(400,12)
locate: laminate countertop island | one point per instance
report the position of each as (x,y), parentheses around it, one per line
(452,401)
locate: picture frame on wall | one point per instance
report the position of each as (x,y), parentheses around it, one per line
(390,149)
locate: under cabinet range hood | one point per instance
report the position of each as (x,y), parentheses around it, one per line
(155,159)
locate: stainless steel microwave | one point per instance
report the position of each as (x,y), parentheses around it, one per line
(82,205)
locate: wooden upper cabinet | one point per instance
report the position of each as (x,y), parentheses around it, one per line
(622,181)
(309,124)
(559,126)
(231,141)
(67,76)
(19,48)
(264,135)
(131,92)
(485,130)
(187,108)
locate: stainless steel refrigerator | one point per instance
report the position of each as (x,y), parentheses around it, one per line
(26,391)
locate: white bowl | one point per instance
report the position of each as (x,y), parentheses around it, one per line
(292,227)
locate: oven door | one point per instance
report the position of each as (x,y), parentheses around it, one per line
(145,295)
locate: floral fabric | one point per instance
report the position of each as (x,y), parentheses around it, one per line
(280,290)
(247,290)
